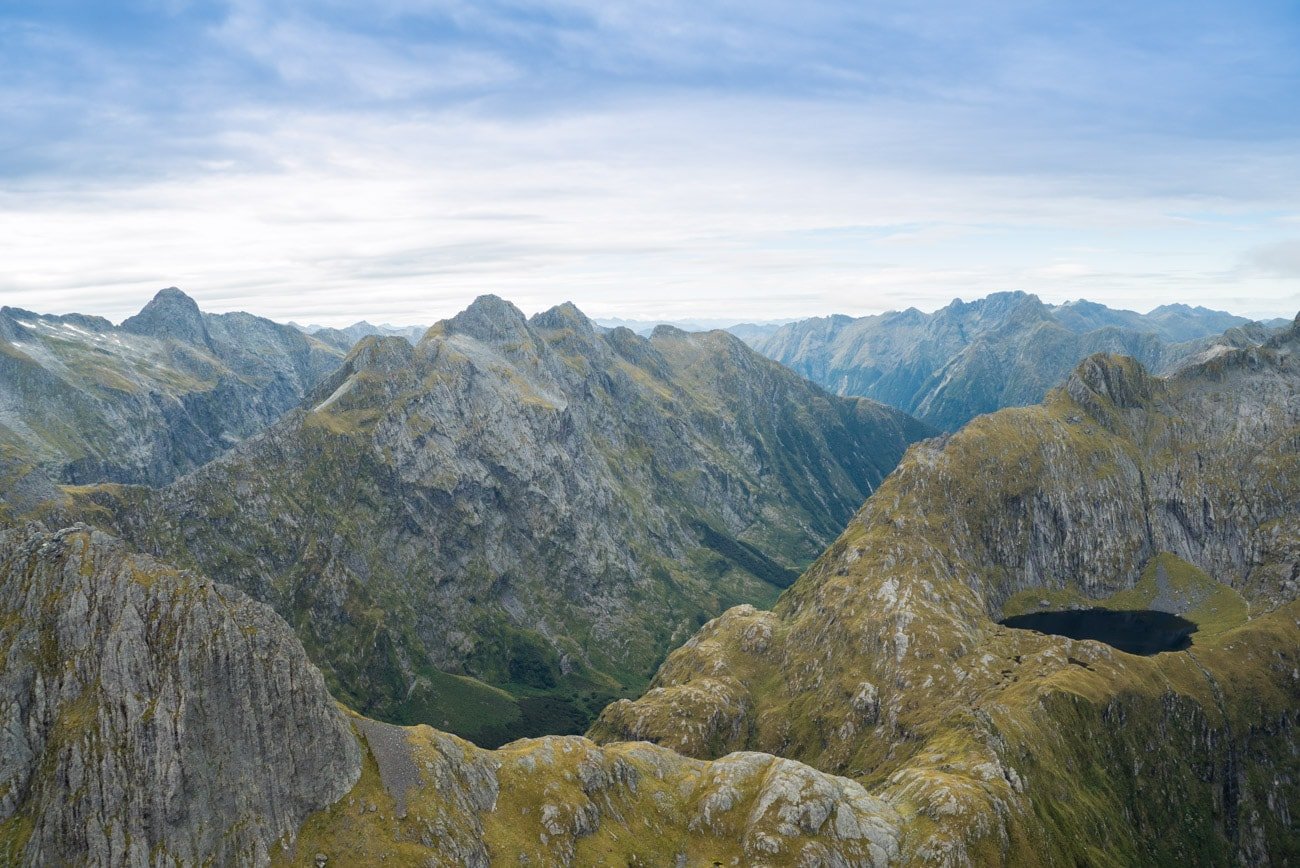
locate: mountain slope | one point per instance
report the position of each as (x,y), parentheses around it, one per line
(84,401)
(885,662)
(540,506)
(1004,350)
(153,718)
(150,717)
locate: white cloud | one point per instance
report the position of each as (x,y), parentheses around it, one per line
(645,159)
(699,209)
(1279,259)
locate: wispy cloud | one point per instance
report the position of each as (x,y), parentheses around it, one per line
(1280,259)
(330,161)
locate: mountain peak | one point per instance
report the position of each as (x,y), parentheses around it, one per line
(565,315)
(489,318)
(380,353)
(170,314)
(663,331)
(1120,379)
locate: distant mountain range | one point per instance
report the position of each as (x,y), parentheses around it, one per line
(345,339)
(742,330)
(1004,350)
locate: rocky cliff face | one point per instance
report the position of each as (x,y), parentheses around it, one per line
(83,401)
(884,662)
(532,503)
(877,715)
(1005,350)
(150,717)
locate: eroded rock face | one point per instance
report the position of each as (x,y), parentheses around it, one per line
(526,501)
(884,661)
(151,717)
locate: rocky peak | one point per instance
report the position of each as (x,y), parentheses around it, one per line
(994,303)
(1118,379)
(380,354)
(562,316)
(170,314)
(664,331)
(1287,335)
(490,319)
(636,349)
(569,329)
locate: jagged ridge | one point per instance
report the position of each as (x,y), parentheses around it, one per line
(82,401)
(1004,350)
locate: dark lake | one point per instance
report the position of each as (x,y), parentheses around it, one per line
(1137,632)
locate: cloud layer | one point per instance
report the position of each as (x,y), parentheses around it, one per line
(330,161)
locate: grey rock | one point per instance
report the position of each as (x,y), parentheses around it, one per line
(150,717)
(84,401)
(526,493)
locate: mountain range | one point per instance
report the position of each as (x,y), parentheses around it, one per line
(344,339)
(505,526)
(83,401)
(792,624)
(886,661)
(1006,349)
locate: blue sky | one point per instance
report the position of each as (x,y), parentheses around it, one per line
(330,161)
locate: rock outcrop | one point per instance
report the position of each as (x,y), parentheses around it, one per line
(566,801)
(149,717)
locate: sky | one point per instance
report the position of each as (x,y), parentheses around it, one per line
(331,161)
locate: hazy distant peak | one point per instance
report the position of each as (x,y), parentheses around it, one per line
(1005,300)
(664,330)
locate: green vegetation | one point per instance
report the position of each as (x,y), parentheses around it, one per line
(999,746)
(1167,582)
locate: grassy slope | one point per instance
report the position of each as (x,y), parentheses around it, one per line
(883,663)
